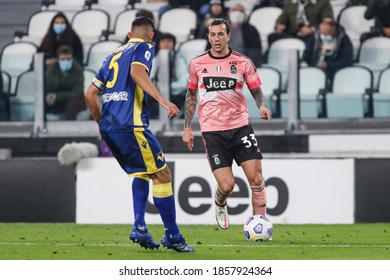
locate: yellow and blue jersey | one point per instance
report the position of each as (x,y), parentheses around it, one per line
(124,120)
(124,102)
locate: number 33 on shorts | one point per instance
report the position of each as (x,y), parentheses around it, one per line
(249,141)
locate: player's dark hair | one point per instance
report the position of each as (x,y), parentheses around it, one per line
(142,21)
(219,21)
(144,13)
(64,50)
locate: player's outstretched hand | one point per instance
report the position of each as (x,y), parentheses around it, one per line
(188,138)
(265,113)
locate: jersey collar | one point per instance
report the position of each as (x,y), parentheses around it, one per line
(220,57)
(136,40)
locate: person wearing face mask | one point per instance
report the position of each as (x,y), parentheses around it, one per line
(60,33)
(245,37)
(64,82)
(329,48)
(300,18)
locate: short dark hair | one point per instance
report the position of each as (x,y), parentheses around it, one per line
(219,21)
(142,21)
(64,50)
(168,36)
(144,13)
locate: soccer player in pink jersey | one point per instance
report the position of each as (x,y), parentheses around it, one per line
(219,76)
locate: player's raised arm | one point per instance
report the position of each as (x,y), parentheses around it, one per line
(141,78)
(258,95)
(190,107)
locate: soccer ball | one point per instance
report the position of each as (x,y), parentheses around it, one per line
(258,228)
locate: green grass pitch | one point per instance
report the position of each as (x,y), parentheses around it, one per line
(110,242)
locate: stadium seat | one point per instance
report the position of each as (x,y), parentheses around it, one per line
(271,87)
(4,96)
(115,8)
(98,52)
(374,53)
(17,58)
(381,97)
(278,55)
(264,20)
(38,25)
(312,83)
(6,81)
(187,20)
(338,6)
(122,25)
(191,48)
(350,96)
(90,33)
(22,104)
(354,23)
(68,7)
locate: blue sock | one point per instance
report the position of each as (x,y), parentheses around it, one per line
(165,202)
(140,189)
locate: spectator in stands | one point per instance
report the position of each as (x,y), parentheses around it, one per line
(380,11)
(216,10)
(64,82)
(300,18)
(244,37)
(60,33)
(157,33)
(328,48)
(178,66)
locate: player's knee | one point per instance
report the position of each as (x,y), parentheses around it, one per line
(257,184)
(227,185)
(256,181)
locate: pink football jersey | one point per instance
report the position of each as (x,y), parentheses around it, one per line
(220,82)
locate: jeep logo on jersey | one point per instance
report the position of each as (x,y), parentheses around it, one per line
(219,83)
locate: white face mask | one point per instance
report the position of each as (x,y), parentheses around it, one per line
(236,17)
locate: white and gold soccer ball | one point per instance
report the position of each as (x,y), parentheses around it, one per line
(258,228)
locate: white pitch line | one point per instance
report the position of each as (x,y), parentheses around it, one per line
(206,245)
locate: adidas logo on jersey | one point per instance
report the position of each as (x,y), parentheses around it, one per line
(205,71)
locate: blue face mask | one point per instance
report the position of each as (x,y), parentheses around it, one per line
(59,28)
(65,65)
(326,38)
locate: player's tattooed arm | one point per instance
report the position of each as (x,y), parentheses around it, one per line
(190,106)
(258,95)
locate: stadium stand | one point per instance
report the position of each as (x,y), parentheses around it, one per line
(351,93)
(381,97)
(312,84)
(37,27)
(278,55)
(374,53)
(183,31)
(264,20)
(98,52)
(16,58)
(22,104)
(90,33)
(352,19)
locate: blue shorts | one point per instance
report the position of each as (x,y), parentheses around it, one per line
(138,152)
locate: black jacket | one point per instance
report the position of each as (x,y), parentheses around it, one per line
(342,55)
